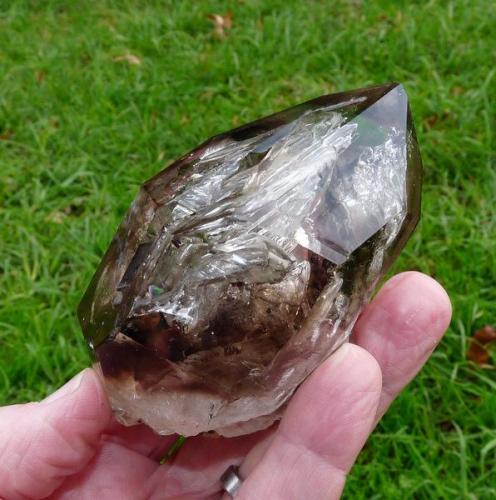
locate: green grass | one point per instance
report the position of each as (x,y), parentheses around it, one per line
(80,131)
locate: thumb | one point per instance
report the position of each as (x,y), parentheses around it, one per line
(43,443)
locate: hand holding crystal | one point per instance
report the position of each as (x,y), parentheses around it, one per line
(68,446)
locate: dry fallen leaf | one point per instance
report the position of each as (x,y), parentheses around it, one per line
(430,121)
(39,76)
(222,23)
(479,343)
(129,58)
(6,135)
(433,120)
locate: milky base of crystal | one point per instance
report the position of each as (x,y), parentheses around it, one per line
(242,266)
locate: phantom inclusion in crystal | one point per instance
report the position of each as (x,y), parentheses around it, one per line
(242,266)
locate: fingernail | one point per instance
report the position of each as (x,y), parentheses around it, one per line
(67,389)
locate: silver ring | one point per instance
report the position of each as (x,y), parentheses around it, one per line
(231,481)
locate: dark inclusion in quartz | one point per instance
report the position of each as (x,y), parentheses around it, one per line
(244,264)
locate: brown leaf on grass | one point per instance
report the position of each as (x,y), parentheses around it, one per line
(430,121)
(6,134)
(129,58)
(434,119)
(222,23)
(40,76)
(478,351)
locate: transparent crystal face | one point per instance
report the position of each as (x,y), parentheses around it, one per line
(244,264)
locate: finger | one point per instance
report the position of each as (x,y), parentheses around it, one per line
(199,464)
(115,472)
(140,439)
(401,327)
(321,433)
(43,443)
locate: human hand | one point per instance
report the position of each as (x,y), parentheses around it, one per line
(68,446)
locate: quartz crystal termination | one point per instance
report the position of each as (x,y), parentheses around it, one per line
(243,265)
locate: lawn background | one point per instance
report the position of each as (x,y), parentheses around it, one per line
(96,97)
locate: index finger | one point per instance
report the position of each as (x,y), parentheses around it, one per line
(401,327)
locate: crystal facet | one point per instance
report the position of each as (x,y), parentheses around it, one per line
(243,265)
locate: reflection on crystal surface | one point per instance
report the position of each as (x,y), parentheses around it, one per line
(243,265)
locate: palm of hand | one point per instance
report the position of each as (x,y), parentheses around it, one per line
(68,447)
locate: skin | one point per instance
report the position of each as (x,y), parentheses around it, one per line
(68,447)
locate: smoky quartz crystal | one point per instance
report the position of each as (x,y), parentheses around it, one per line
(244,264)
